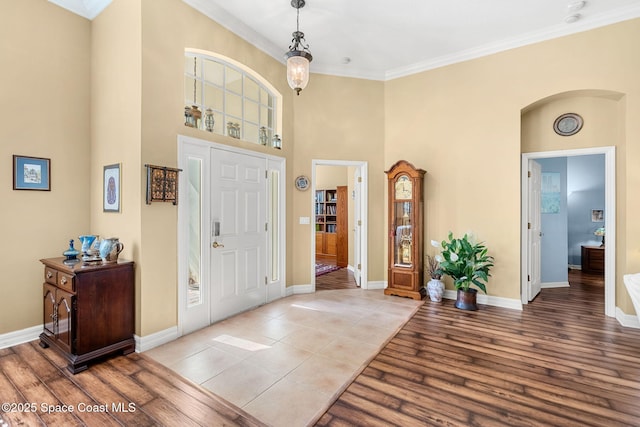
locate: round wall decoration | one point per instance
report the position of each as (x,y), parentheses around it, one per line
(568,124)
(302,183)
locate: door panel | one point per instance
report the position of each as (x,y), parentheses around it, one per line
(251,216)
(342,227)
(65,328)
(357,225)
(49,309)
(229,272)
(252,262)
(228,201)
(535,230)
(238,254)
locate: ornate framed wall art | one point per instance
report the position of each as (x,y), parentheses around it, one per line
(162,184)
(111,188)
(31,173)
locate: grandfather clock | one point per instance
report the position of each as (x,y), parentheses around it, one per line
(405,271)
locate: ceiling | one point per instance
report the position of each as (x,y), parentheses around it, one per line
(386,39)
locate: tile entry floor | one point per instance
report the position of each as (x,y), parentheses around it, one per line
(287,361)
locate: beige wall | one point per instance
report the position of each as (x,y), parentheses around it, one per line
(116,127)
(340,119)
(44,105)
(330,177)
(462,124)
(168,28)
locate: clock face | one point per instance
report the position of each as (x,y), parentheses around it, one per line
(568,124)
(404,187)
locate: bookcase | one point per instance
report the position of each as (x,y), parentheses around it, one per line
(326,210)
(326,222)
(331,224)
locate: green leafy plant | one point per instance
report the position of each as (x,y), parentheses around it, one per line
(465,261)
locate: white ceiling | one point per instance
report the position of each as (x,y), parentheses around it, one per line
(385,39)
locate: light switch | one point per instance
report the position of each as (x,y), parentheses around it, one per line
(305,220)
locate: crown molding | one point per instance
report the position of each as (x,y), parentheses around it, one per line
(236,26)
(86,8)
(560,30)
(92,8)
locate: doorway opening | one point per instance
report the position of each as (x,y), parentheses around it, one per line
(530,265)
(339,227)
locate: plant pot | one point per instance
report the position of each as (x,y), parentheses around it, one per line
(435,288)
(466,300)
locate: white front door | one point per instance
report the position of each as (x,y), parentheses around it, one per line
(534,230)
(238,233)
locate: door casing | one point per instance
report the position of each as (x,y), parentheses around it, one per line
(534,231)
(362,203)
(610,223)
(275,288)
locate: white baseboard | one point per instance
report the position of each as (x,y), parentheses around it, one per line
(549,285)
(299,289)
(378,284)
(18,337)
(575,267)
(514,304)
(628,320)
(153,340)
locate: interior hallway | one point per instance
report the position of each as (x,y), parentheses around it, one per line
(304,348)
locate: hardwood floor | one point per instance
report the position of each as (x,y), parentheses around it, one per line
(559,362)
(130,390)
(339,279)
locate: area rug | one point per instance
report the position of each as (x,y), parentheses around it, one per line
(324,269)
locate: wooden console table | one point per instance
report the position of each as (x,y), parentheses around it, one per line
(88,310)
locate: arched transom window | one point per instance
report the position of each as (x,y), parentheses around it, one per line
(237,101)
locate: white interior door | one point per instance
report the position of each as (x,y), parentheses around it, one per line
(238,233)
(357,227)
(534,230)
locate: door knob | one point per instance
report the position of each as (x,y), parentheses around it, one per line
(217,245)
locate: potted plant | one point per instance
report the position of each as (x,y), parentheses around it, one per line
(435,286)
(467,263)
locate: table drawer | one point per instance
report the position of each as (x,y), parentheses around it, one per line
(596,256)
(66,282)
(50,276)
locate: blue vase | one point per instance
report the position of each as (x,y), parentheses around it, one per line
(71,253)
(87,240)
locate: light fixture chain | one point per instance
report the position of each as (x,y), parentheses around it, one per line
(195,78)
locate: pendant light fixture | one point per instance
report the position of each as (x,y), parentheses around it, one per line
(298,57)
